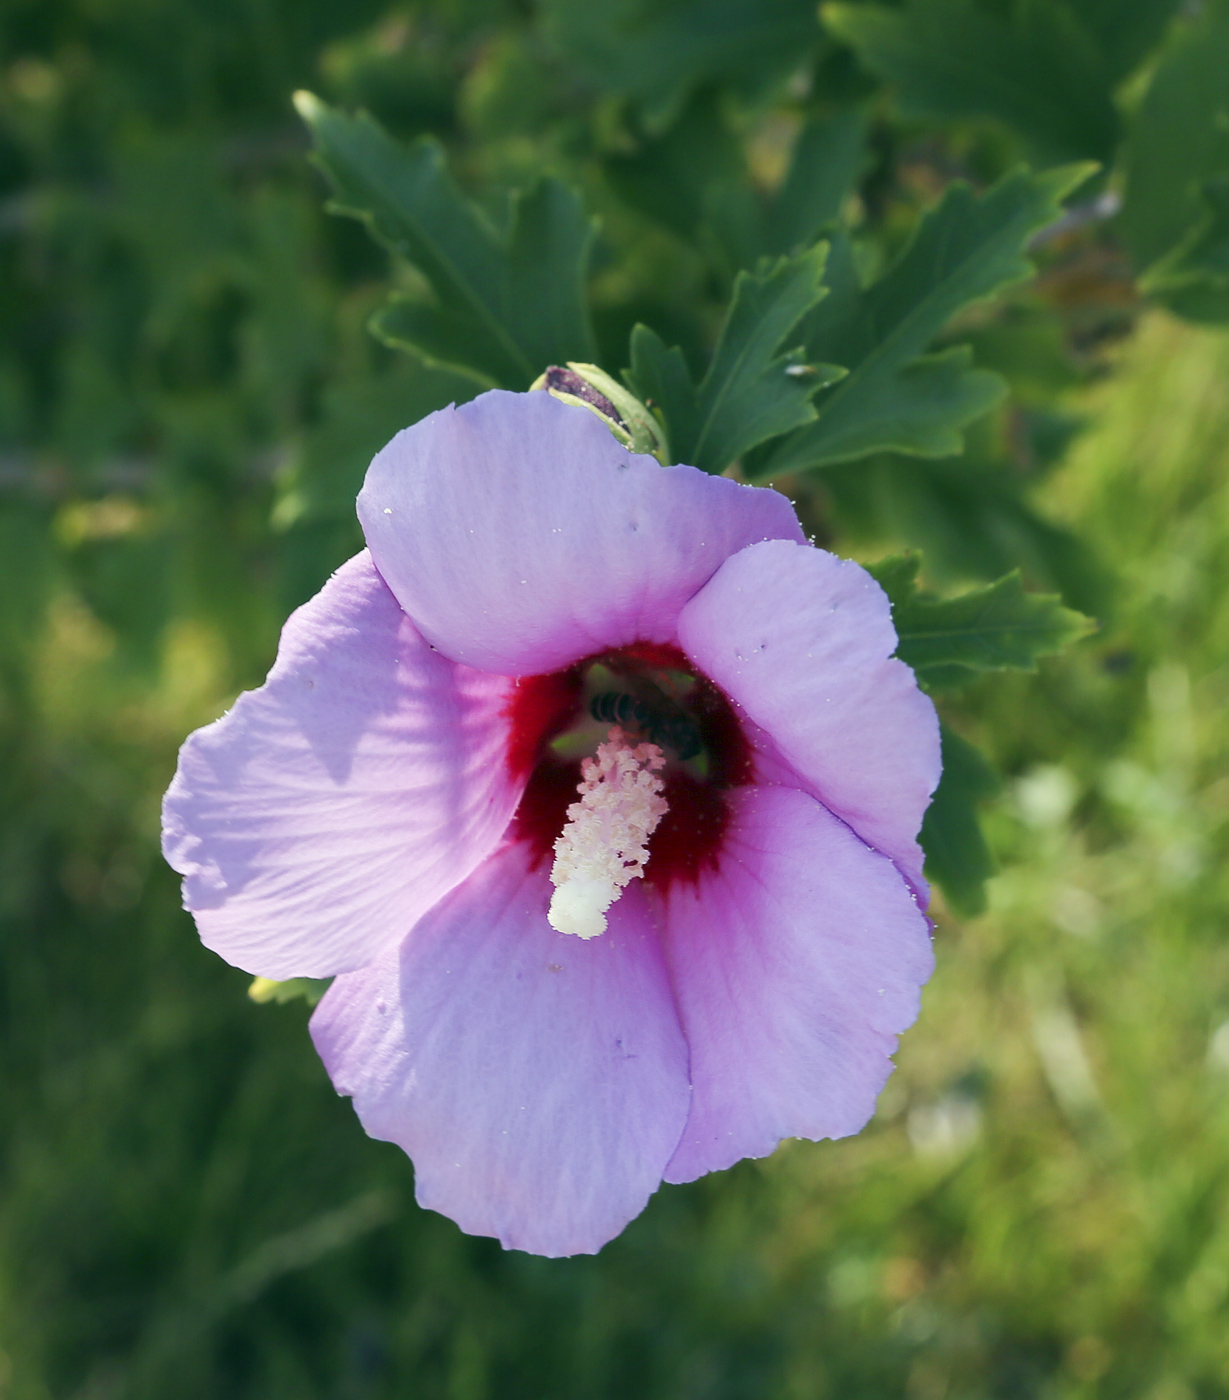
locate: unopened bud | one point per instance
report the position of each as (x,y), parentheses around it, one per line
(626,417)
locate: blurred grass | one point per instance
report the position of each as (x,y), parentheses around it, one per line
(1040,1208)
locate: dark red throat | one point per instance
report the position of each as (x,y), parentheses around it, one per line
(688,841)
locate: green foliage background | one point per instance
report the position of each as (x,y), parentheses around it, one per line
(812,243)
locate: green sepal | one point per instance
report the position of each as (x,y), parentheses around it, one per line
(628,419)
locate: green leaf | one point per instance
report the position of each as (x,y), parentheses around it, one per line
(1124,30)
(694,180)
(1178,140)
(948,641)
(1193,278)
(690,178)
(1204,253)
(358,417)
(897,576)
(507,303)
(753,390)
(662,381)
(957,857)
(657,52)
(1041,71)
(896,397)
(1175,214)
(829,156)
(970,517)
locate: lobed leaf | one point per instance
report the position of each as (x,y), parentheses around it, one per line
(507,302)
(659,377)
(895,396)
(752,391)
(971,518)
(693,179)
(948,641)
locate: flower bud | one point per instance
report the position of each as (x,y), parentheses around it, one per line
(626,417)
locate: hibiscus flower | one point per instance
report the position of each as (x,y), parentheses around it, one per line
(596,789)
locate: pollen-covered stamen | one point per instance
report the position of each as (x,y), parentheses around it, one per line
(605,843)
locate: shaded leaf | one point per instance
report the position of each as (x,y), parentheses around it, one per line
(678,177)
(1124,29)
(896,397)
(1176,158)
(661,379)
(957,857)
(507,302)
(359,416)
(829,156)
(970,517)
(1041,70)
(1193,278)
(657,52)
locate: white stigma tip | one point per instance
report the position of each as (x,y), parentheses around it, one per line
(605,843)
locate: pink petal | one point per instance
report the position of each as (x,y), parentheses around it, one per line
(521,537)
(318,819)
(796,964)
(539,1082)
(801,641)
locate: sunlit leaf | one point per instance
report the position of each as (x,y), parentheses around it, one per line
(948,641)
(754,390)
(308,989)
(896,396)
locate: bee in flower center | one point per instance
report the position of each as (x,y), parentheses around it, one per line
(665,727)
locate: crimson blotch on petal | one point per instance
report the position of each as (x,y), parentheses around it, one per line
(599,789)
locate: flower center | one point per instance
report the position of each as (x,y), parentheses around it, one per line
(605,843)
(560,730)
